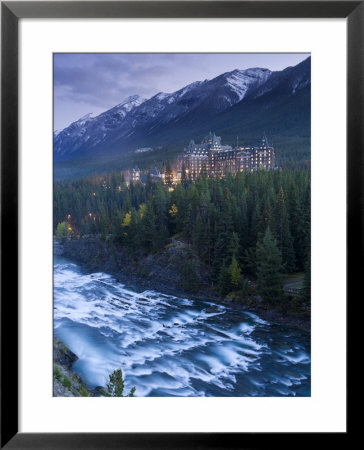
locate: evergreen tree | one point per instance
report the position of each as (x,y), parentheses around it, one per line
(307,279)
(160,203)
(184,178)
(148,229)
(104,226)
(235,274)
(266,218)
(189,279)
(117,228)
(243,227)
(224,237)
(129,225)
(297,227)
(283,233)
(254,225)
(127,203)
(168,174)
(224,281)
(234,246)
(269,269)
(250,261)
(200,238)
(115,386)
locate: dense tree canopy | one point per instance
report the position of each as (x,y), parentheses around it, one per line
(224,220)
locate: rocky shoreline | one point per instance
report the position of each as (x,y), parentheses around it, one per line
(67,383)
(161,273)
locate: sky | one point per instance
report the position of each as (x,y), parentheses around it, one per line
(95,82)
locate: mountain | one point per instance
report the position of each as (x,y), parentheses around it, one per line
(135,116)
(240,103)
(281,107)
(89,131)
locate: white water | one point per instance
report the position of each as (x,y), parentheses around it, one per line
(169,346)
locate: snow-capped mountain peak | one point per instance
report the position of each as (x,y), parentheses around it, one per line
(84,119)
(92,130)
(137,119)
(125,119)
(131,102)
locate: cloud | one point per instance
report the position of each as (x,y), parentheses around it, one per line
(106,79)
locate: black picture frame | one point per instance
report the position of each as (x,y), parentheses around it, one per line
(11,12)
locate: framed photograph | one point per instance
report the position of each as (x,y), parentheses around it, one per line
(181,187)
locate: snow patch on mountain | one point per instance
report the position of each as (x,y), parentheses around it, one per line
(188,88)
(299,84)
(241,80)
(161,96)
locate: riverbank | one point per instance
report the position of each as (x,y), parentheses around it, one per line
(161,272)
(67,383)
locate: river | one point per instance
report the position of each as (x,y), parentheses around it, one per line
(171,346)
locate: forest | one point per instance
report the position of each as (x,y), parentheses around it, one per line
(248,226)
